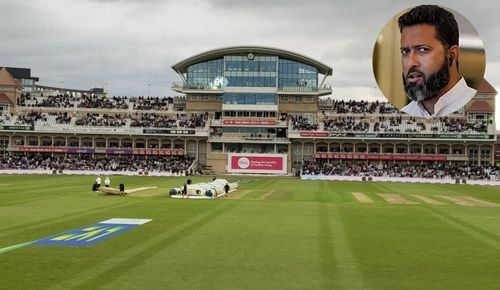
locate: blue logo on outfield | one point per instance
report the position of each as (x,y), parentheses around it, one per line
(93,234)
(86,236)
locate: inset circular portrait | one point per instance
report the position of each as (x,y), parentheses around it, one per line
(429,61)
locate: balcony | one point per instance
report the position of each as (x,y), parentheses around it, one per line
(248,138)
(302,90)
(185,88)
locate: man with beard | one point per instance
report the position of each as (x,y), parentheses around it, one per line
(429,52)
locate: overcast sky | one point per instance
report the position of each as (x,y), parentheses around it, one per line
(129,46)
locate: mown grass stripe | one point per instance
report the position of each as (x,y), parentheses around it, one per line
(50,223)
(475,232)
(336,252)
(114,268)
(326,248)
(15,247)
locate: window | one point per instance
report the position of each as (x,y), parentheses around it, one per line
(100,143)
(200,75)
(297,75)
(251,81)
(88,143)
(249,98)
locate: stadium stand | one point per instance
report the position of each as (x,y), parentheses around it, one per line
(95,163)
(335,117)
(391,169)
(298,125)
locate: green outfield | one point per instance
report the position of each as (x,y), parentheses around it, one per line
(273,233)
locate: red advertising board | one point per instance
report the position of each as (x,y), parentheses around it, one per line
(249,122)
(257,163)
(313,134)
(125,151)
(43,149)
(161,152)
(375,156)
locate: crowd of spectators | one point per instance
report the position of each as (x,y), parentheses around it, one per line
(57,101)
(384,123)
(62,118)
(398,124)
(347,123)
(356,107)
(304,123)
(390,169)
(153,121)
(100,102)
(5,118)
(37,161)
(95,119)
(451,125)
(193,121)
(95,102)
(31,118)
(387,108)
(352,116)
(151,103)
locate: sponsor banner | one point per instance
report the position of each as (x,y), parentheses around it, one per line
(395,135)
(161,152)
(407,136)
(257,163)
(93,234)
(126,151)
(435,136)
(17,128)
(475,136)
(42,149)
(249,122)
(169,131)
(313,134)
(80,150)
(374,156)
(356,135)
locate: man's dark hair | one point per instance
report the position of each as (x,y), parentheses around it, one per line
(442,19)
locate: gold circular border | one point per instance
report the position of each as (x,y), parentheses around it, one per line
(386,58)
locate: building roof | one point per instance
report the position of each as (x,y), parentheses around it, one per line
(21,73)
(486,88)
(6,78)
(4,99)
(181,67)
(480,106)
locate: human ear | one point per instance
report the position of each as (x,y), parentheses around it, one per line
(453,54)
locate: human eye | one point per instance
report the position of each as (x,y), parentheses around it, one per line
(423,49)
(405,51)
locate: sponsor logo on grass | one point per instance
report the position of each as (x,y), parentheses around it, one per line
(92,234)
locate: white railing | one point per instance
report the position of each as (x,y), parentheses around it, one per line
(399,179)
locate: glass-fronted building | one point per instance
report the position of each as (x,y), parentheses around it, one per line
(251,76)
(250,92)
